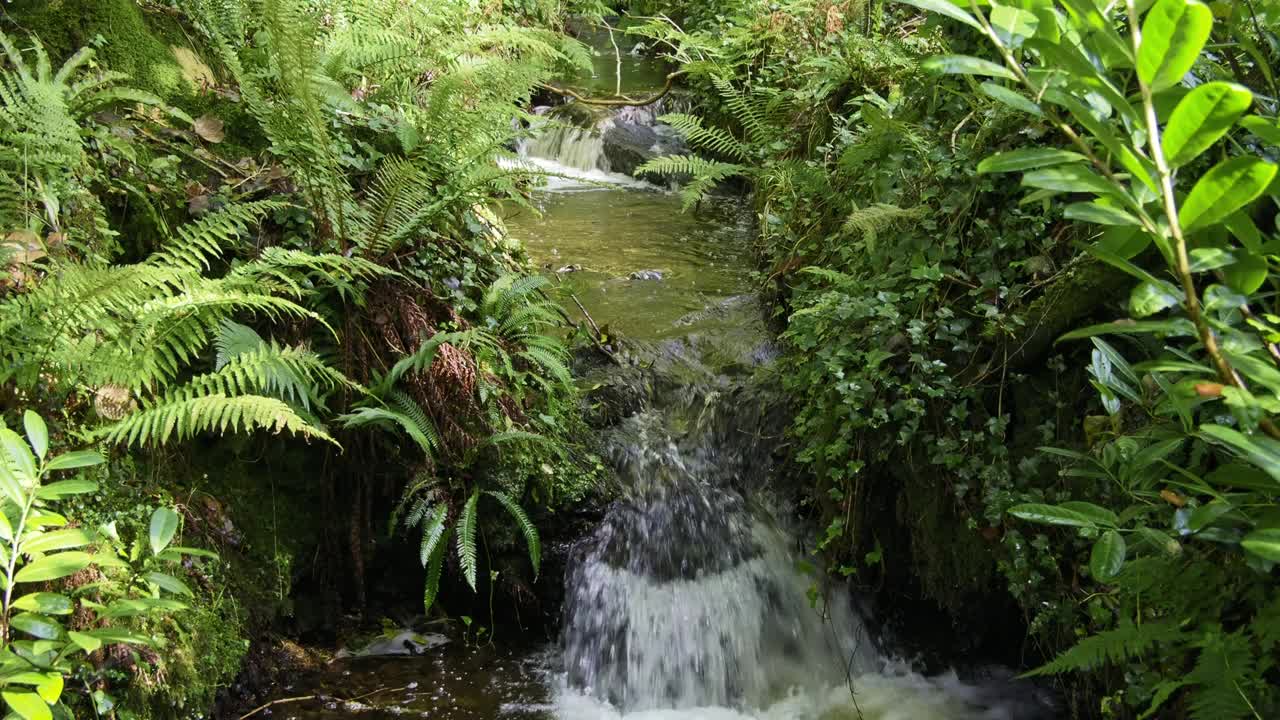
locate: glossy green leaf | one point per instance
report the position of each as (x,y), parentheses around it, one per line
(66,539)
(1177,327)
(1173,34)
(1124,242)
(1264,543)
(1147,299)
(1203,116)
(1027,159)
(942,7)
(66,488)
(1210,258)
(1227,187)
(1012,98)
(1098,514)
(22,463)
(966,65)
(1013,25)
(1099,214)
(169,583)
(1107,557)
(51,689)
(76,459)
(1260,450)
(1263,128)
(27,705)
(164,525)
(1247,274)
(1069,178)
(1051,515)
(37,433)
(40,626)
(52,567)
(45,603)
(87,643)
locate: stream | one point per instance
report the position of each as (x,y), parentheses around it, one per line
(688,601)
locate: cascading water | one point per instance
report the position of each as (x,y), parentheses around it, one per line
(687,602)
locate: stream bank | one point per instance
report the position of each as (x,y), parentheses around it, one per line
(691,598)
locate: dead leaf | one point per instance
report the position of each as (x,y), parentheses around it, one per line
(1173,498)
(1209,389)
(210,128)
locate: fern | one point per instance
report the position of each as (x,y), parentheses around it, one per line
(526,527)
(467,539)
(704,174)
(870,221)
(1121,643)
(1222,677)
(183,418)
(714,140)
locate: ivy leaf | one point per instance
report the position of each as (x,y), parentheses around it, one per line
(1173,35)
(164,524)
(942,7)
(966,65)
(1227,187)
(1107,556)
(1203,116)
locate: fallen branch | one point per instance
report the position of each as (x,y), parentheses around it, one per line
(304,698)
(620,101)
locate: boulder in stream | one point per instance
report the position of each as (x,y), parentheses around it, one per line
(406,642)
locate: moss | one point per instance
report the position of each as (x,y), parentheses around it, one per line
(127,38)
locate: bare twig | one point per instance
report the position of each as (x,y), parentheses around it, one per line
(618,101)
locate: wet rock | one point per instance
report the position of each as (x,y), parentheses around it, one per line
(406,642)
(569,269)
(629,143)
(645,275)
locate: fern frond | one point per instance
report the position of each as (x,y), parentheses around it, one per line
(157,423)
(435,564)
(467,539)
(715,140)
(874,219)
(531,540)
(1118,644)
(199,242)
(432,533)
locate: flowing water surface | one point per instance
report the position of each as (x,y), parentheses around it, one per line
(686,603)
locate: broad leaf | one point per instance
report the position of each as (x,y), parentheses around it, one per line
(1012,98)
(52,567)
(942,7)
(1069,178)
(1099,214)
(1227,187)
(1203,116)
(1263,543)
(1108,556)
(57,540)
(1027,159)
(51,689)
(1098,514)
(966,65)
(75,459)
(1051,515)
(35,625)
(164,524)
(1173,34)
(24,466)
(1246,274)
(1150,298)
(45,603)
(27,705)
(168,582)
(1262,451)
(1263,128)
(88,643)
(37,433)
(64,488)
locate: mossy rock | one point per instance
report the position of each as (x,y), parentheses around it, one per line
(152,47)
